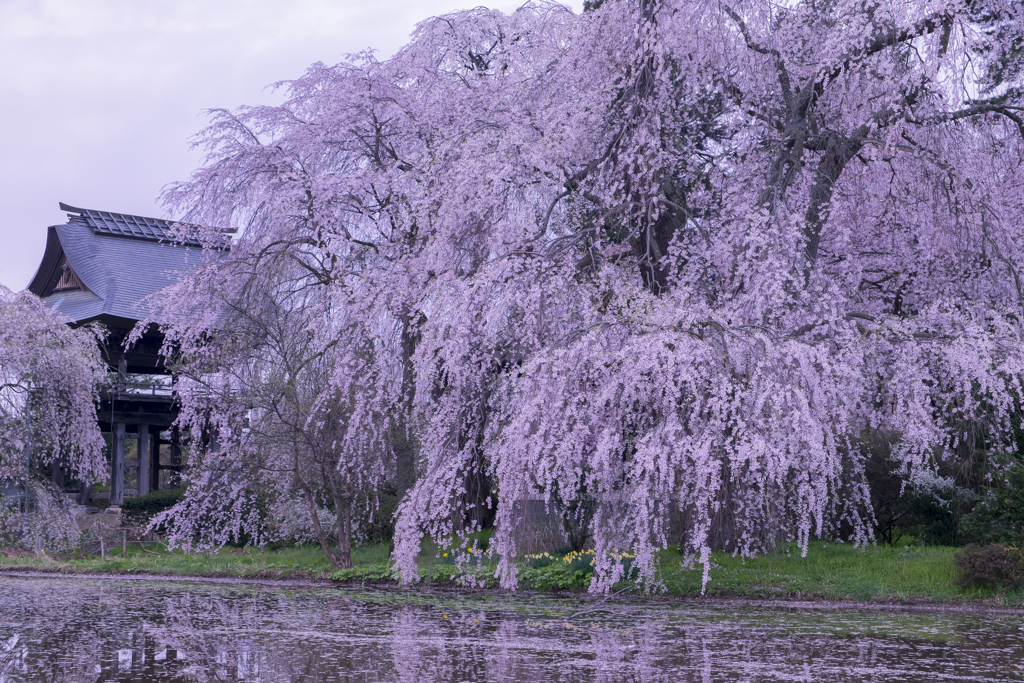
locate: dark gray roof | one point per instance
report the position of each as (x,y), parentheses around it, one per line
(79,306)
(120,261)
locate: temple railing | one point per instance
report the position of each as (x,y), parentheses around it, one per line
(128,387)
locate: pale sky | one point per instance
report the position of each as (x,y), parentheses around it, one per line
(98,98)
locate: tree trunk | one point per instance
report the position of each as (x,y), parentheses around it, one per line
(402,443)
(840,151)
(343,509)
(84,493)
(318,528)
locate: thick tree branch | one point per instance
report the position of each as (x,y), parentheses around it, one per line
(780,64)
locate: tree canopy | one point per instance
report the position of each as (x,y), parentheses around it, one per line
(48,379)
(662,255)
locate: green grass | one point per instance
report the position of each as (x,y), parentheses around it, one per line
(830,571)
(304,562)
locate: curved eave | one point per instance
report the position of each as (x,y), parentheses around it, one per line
(49,265)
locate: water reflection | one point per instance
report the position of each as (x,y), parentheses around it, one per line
(109,630)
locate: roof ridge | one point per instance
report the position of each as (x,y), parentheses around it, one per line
(75,209)
(140,227)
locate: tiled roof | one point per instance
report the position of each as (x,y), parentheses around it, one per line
(119,259)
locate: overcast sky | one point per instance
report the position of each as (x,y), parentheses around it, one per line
(98,98)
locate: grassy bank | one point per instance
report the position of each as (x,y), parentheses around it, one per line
(829,571)
(305,562)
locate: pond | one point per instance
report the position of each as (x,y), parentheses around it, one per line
(62,629)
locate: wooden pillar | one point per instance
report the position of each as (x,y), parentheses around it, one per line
(145,456)
(175,447)
(57,476)
(176,456)
(154,482)
(117,466)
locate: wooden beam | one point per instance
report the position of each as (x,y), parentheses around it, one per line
(152,419)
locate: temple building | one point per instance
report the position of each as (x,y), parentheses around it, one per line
(101,267)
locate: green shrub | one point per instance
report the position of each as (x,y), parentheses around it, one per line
(556,576)
(573,571)
(927,505)
(140,509)
(991,566)
(998,517)
(373,573)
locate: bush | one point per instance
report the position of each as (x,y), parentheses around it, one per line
(991,566)
(999,516)
(556,576)
(927,506)
(286,518)
(374,573)
(140,509)
(287,521)
(50,523)
(573,571)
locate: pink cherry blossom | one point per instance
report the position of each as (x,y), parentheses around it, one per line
(670,255)
(51,371)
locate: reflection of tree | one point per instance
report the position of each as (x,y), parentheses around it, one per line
(73,631)
(409,650)
(461,645)
(276,635)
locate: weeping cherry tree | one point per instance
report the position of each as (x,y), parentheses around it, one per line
(664,255)
(48,379)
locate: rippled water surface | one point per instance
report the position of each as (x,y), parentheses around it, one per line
(123,630)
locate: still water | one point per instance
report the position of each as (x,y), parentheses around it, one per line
(128,630)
